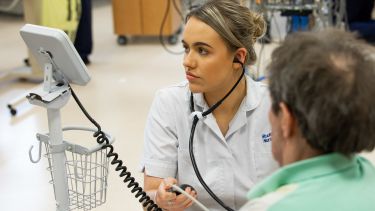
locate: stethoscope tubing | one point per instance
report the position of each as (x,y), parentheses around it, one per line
(191,140)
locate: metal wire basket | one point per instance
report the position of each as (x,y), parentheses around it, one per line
(86,170)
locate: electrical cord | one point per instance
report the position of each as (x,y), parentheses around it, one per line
(134,186)
(161,40)
(191,138)
(178,10)
(162,28)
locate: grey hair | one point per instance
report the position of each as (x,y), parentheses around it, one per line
(327,80)
(237,25)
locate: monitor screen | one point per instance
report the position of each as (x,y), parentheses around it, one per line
(54,42)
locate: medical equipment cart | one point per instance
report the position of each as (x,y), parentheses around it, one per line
(144,18)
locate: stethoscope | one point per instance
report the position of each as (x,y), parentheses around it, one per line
(199,115)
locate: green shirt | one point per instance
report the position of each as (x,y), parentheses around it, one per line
(328,182)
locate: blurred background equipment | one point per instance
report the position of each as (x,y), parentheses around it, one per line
(144,18)
(11,6)
(359,13)
(61,14)
(302,15)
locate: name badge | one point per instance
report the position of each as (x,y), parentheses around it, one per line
(266,137)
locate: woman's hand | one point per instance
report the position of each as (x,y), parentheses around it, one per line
(168,200)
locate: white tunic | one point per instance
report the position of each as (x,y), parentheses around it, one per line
(230,165)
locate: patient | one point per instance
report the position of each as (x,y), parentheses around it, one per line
(322,87)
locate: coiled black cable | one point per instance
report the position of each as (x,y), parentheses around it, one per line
(191,138)
(101,138)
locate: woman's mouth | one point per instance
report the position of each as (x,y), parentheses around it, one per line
(190,76)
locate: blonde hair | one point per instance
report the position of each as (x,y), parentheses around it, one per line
(236,24)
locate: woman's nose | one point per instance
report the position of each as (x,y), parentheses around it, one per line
(188,60)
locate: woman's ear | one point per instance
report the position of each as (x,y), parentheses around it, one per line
(240,55)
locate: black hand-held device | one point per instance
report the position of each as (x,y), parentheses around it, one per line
(183,187)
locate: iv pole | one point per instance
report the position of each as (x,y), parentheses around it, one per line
(53,96)
(79,174)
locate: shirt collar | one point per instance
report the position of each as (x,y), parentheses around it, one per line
(252,98)
(303,170)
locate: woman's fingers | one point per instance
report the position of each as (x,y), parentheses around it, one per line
(167,199)
(168,182)
(183,201)
(164,198)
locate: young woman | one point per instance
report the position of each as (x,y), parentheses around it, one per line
(231,144)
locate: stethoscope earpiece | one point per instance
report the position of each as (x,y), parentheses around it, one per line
(236,60)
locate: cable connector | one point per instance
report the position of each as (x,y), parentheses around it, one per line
(198,114)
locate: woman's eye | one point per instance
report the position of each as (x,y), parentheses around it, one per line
(202,51)
(186,49)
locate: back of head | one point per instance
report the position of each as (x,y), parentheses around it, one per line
(236,24)
(327,80)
